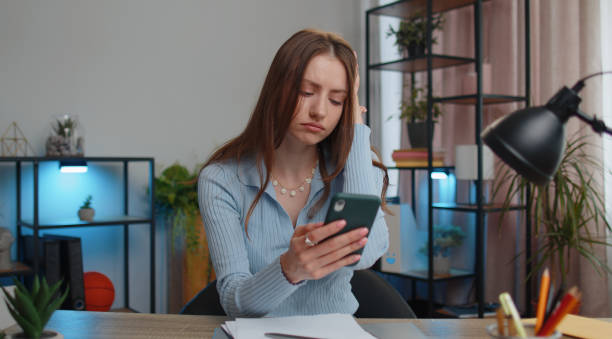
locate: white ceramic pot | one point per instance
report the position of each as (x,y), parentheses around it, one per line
(441,265)
(86,214)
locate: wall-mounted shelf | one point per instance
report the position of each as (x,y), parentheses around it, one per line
(474,208)
(98,221)
(404,9)
(419,64)
(422,275)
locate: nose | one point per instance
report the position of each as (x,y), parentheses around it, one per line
(318,109)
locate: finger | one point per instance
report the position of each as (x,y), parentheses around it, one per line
(342,252)
(322,233)
(306,228)
(324,271)
(337,242)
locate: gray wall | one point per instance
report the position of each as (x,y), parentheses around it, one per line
(166,79)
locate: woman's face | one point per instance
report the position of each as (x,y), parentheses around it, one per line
(322,97)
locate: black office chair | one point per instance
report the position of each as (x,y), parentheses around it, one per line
(378,298)
(206,302)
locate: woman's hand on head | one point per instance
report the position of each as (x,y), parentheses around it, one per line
(358,110)
(312,262)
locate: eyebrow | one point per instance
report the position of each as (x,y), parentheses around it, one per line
(316,85)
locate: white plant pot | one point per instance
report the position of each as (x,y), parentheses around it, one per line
(86,214)
(441,265)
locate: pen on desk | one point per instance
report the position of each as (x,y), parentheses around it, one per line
(569,301)
(542,298)
(505,298)
(276,335)
(500,321)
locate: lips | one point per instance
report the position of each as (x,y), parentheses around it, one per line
(313,127)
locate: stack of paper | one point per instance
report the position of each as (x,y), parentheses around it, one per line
(331,326)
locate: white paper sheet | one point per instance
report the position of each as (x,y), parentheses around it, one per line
(331,326)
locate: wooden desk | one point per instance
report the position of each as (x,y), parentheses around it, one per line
(90,325)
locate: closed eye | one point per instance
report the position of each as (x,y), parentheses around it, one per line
(306,94)
(336,102)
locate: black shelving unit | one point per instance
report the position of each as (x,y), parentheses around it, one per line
(427,63)
(37,225)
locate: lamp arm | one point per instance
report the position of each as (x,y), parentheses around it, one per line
(598,125)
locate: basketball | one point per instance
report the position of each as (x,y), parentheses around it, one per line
(99,292)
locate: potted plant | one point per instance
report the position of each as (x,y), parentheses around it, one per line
(563,210)
(176,199)
(33,309)
(445,238)
(411,35)
(65,140)
(86,212)
(414,112)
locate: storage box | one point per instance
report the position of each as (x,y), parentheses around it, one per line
(404,241)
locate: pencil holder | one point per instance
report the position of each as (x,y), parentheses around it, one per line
(529,329)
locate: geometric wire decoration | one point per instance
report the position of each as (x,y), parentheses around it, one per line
(12,144)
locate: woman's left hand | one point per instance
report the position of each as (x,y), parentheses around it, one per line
(358,111)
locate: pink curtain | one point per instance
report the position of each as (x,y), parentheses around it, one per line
(564,47)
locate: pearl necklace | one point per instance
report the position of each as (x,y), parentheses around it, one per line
(300,188)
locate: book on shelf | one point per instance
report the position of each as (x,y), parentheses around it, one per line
(71,269)
(418,163)
(416,153)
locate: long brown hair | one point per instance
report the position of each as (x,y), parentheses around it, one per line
(276,106)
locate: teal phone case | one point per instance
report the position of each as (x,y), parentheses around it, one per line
(359,210)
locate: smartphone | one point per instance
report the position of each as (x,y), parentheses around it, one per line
(359,210)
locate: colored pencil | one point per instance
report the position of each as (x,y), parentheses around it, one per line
(569,301)
(500,321)
(541,310)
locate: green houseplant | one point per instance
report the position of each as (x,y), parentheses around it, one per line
(86,212)
(411,35)
(176,197)
(445,237)
(33,309)
(414,113)
(563,210)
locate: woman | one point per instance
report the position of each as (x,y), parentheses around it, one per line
(264,194)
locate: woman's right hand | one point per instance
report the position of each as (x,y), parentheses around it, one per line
(308,262)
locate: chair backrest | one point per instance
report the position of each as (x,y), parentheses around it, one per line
(206,302)
(377,298)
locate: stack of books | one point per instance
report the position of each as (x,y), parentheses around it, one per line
(416,157)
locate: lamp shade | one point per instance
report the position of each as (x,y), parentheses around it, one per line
(531,141)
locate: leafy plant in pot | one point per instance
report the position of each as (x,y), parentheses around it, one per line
(567,213)
(86,212)
(445,238)
(176,198)
(414,112)
(411,35)
(33,308)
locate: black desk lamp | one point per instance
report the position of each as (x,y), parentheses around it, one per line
(532,140)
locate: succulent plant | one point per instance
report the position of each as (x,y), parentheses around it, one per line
(64,126)
(87,202)
(33,309)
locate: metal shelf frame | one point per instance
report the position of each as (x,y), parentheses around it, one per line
(125,220)
(427,63)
